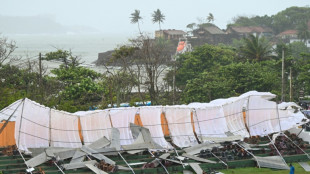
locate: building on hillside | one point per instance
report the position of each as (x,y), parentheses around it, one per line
(212,34)
(170,34)
(241,32)
(290,36)
(208,31)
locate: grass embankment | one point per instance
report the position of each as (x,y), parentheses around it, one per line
(249,170)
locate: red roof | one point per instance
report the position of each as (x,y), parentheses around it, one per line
(288,32)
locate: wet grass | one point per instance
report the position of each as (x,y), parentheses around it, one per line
(249,170)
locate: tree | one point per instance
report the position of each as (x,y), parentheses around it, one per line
(146,60)
(203,58)
(206,87)
(296,48)
(6,49)
(158,17)
(122,80)
(135,18)
(65,56)
(290,18)
(301,69)
(191,26)
(255,48)
(303,32)
(210,18)
(79,86)
(232,79)
(243,21)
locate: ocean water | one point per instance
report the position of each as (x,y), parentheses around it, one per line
(86,46)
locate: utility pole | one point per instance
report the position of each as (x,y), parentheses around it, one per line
(40,76)
(291,89)
(173,81)
(282,90)
(40,67)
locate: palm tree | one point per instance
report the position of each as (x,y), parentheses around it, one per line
(135,18)
(158,17)
(210,18)
(255,48)
(303,32)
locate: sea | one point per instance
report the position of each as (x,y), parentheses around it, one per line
(85,46)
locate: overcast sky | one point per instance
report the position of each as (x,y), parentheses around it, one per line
(112,16)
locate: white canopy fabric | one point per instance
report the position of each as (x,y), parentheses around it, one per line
(180,126)
(151,119)
(8,111)
(32,125)
(121,118)
(234,117)
(290,116)
(262,116)
(210,122)
(95,125)
(39,126)
(64,130)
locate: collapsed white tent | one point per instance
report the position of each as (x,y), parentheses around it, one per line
(247,115)
(39,126)
(151,119)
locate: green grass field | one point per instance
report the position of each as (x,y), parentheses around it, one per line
(250,170)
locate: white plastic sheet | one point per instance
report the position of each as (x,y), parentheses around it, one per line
(262,116)
(180,126)
(8,111)
(290,115)
(64,130)
(234,117)
(210,122)
(121,118)
(32,126)
(151,119)
(95,125)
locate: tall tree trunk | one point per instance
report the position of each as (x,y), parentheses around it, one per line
(139,28)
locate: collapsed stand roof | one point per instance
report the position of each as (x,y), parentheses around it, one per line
(75,135)
(250,114)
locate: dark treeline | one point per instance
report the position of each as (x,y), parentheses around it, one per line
(288,19)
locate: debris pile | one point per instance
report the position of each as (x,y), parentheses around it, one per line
(10,150)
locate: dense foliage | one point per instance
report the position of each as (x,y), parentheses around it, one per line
(211,72)
(289,18)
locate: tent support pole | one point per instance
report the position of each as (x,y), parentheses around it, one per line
(297,146)
(219,159)
(24,160)
(20,124)
(159,162)
(247,123)
(164,112)
(59,168)
(248,152)
(201,137)
(50,128)
(276,149)
(279,118)
(7,121)
(126,162)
